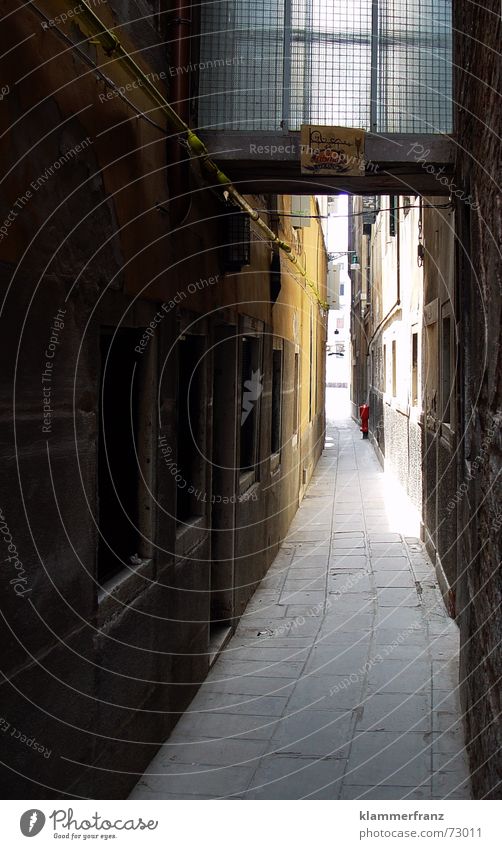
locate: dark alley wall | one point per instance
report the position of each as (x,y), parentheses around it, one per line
(98,662)
(401,325)
(100,657)
(440,427)
(456,456)
(479,292)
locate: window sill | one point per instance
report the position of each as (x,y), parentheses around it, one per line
(275,463)
(416,415)
(402,408)
(394,403)
(189,534)
(251,494)
(120,590)
(447,435)
(246,481)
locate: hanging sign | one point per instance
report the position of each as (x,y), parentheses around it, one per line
(332,151)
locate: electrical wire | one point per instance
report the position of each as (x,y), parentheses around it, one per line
(99,73)
(111,45)
(365,212)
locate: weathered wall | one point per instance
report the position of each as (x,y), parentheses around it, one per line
(99,679)
(440,438)
(360,332)
(412,438)
(393,312)
(479,282)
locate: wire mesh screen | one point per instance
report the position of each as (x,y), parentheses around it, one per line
(241,69)
(384,65)
(331,63)
(415,66)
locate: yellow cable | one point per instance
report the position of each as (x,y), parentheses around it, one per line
(112,46)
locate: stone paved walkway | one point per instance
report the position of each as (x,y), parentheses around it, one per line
(340,682)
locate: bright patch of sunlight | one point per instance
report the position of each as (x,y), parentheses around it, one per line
(337,405)
(402,516)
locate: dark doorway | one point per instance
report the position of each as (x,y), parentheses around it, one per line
(191,371)
(251,388)
(276,429)
(224,483)
(118,465)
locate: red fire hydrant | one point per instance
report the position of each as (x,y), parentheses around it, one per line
(364,412)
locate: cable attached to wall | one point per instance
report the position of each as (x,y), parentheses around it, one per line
(420,247)
(99,34)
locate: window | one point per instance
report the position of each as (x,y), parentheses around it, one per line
(342,289)
(275,277)
(296,391)
(446,369)
(431,399)
(330,41)
(394,368)
(414,368)
(190,408)
(385,355)
(393,215)
(236,240)
(251,391)
(276,429)
(157,18)
(300,211)
(368,275)
(317,371)
(340,322)
(119,483)
(311,361)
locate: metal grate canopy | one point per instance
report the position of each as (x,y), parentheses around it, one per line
(384,65)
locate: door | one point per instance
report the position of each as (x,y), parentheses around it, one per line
(224,482)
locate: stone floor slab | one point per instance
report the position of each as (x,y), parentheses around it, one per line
(385,792)
(252,686)
(185,779)
(286,777)
(397,597)
(392,758)
(394,580)
(395,712)
(232,669)
(391,564)
(327,660)
(319,734)
(399,676)
(249,705)
(307,584)
(209,752)
(305,597)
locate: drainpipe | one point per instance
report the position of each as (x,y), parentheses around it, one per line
(178,174)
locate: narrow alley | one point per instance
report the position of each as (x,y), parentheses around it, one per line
(341,679)
(251,410)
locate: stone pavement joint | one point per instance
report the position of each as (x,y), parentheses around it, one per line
(341,681)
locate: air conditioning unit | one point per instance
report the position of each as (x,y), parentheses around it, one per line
(300,210)
(371,206)
(333,286)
